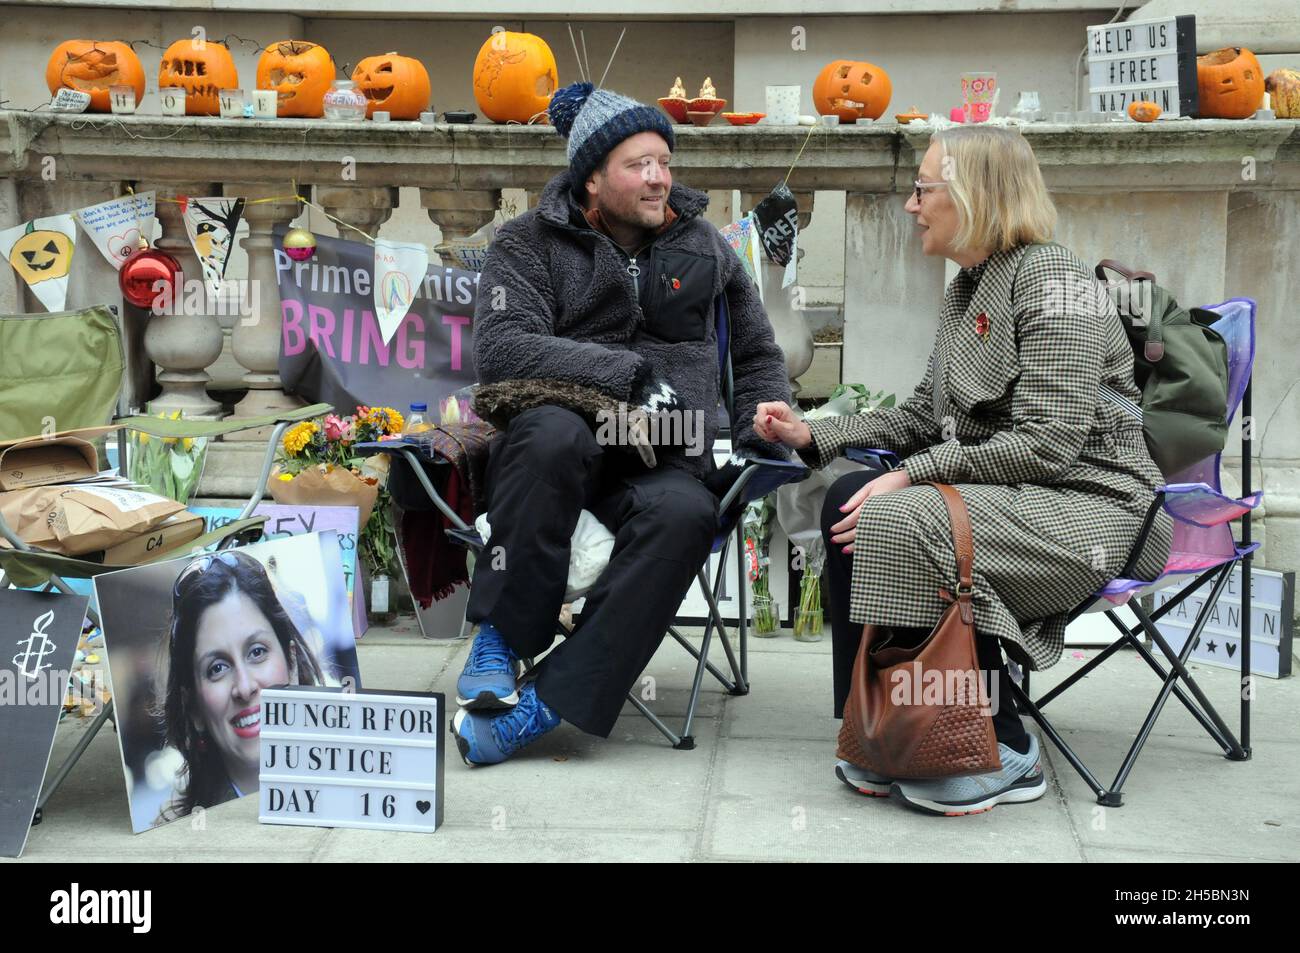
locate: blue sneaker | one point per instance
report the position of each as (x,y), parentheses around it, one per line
(488,679)
(491,738)
(1021,779)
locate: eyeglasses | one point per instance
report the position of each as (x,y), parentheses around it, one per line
(920,186)
(198,567)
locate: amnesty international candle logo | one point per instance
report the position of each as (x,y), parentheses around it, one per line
(31,657)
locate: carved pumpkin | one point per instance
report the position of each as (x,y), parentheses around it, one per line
(1143,111)
(201,71)
(1283,85)
(398,85)
(301,73)
(41,254)
(1230,84)
(92,66)
(514,76)
(842,84)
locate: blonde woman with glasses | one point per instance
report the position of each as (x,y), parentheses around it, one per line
(1056,478)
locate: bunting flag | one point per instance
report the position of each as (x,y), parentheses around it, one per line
(211,224)
(41,252)
(399,269)
(116,226)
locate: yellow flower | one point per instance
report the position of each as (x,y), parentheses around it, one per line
(286,477)
(144,438)
(386,419)
(298,436)
(187,443)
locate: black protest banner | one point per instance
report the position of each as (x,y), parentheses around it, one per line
(778,224)
(39,632)
(331,346)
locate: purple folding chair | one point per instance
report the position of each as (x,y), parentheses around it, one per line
(1203,550)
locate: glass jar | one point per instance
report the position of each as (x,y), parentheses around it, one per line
(344,102)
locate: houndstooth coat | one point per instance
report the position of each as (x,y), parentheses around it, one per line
(1057,479)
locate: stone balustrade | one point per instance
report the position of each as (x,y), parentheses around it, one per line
(1211,207)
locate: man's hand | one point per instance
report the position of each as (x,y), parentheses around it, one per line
(846,529)
(775,422)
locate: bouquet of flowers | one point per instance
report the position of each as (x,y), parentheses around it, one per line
(318,464)
(168,466)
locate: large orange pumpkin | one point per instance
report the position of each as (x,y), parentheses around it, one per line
(92,66)
(842,83)
(1230,84)
(301,73)
(398,85)
(514,76)
(202,71)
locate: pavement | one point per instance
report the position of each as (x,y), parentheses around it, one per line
(759,785)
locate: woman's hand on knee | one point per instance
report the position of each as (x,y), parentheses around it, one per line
(775,422)
(844,532)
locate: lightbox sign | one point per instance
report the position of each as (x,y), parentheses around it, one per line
(1143,60)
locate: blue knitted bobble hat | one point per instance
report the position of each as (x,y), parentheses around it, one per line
(596,120)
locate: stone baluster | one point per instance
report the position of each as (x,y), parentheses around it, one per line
(363,207)
(459,213)
(256,337)
(180,343)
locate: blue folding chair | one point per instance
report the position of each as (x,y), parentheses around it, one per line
(755,480)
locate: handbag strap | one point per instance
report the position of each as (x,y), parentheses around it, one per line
(963,544)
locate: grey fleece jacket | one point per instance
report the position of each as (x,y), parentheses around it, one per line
(559,300)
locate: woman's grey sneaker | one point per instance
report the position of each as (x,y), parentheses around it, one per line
(862,780)
(1021,779)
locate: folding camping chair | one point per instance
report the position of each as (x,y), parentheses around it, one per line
(1203,551)
(91,360)
(755,480)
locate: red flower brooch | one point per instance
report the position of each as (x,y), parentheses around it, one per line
(982,326)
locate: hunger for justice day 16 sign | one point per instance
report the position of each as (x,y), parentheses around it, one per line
(372,760)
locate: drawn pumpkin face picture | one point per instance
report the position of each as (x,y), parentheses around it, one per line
(41,254)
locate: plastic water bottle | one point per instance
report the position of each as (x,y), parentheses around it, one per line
(417,424)
(417,420)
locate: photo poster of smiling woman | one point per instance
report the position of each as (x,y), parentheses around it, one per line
(191,644)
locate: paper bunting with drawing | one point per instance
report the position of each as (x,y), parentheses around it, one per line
(211,224)
(41,252)
(742,236)
(399,269)
(117,225)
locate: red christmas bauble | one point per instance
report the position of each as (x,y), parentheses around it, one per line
(139,275)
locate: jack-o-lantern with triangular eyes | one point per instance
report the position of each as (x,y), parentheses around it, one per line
(843,84)
(203,70)
(94,66)
(41,254)
(301,73)
(398,85)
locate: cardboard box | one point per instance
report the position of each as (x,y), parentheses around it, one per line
(171,535)
(61,457)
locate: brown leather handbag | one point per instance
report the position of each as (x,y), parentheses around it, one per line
(923,712)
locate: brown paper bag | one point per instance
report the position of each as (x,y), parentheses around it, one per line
(74,520)
(316,487)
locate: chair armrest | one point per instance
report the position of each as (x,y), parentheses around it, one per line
(873,457)
(759,478)
(1199,504)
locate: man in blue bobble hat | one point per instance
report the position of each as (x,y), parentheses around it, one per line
(607,287)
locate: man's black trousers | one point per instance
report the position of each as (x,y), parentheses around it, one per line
(542,472)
